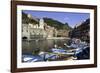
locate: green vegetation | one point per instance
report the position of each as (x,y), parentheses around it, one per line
(51,22)
(58,25)
(27,20)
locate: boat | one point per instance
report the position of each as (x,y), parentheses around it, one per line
(78,50)
(31,58)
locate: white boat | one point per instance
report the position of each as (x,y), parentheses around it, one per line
(31,58)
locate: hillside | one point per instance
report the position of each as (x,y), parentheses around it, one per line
(58,25)
(26,19)
(49,21)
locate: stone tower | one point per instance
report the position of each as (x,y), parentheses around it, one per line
(41,23)
(29,16)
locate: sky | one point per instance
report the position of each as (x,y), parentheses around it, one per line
(71,18)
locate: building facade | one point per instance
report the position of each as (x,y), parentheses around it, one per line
(33,28)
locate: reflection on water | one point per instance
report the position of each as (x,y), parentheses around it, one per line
(45,50)
(43,45)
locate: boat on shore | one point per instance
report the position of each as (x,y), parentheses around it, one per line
(77,50)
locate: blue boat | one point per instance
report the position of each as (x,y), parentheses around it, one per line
(31,58)
(61,51)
